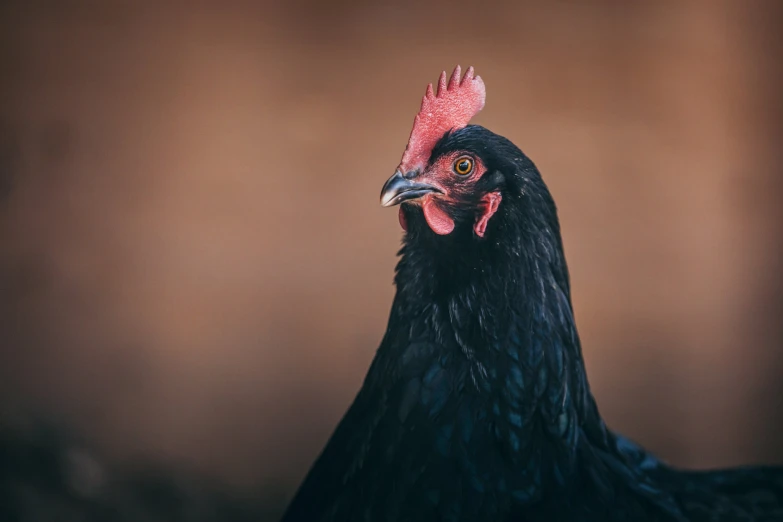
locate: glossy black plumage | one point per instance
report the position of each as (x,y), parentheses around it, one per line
(477,405)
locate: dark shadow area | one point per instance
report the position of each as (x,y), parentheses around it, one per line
(46,473)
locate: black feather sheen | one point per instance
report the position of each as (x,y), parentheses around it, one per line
(477,404)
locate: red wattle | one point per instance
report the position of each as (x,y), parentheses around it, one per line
(437,219)
(403,221)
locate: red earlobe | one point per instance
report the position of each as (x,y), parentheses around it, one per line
(490,203)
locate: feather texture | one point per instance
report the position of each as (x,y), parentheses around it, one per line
(477,404)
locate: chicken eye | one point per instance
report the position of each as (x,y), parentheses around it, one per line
(463,166)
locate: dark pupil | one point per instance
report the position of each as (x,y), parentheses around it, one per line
(463,165)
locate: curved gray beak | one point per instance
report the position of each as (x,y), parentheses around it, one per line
(398,189)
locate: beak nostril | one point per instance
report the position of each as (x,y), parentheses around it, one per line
(411,174)
(398,189)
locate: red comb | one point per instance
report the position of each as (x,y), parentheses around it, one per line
(450,109)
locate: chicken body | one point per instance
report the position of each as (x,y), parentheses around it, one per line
(477,405)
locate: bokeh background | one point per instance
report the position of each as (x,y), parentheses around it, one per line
(195,269)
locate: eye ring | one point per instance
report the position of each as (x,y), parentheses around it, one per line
(463,165)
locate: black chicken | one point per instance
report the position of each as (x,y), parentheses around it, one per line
(477,406)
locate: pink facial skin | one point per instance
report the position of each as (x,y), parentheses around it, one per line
(455,188)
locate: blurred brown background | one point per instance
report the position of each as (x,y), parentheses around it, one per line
(194,266)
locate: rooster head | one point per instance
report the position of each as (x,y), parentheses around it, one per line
(444,170)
